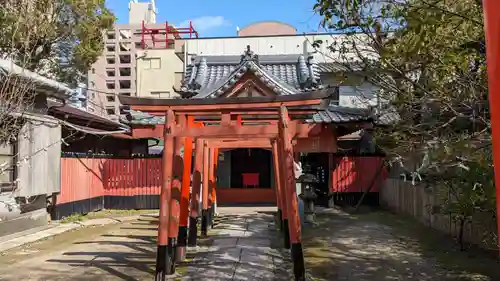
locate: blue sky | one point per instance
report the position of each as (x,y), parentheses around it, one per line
(221,17)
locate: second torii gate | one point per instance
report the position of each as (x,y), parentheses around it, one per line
(244,120)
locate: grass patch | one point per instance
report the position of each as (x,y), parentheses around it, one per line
(73,218)
(104,214)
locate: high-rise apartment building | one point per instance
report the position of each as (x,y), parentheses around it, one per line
(114,73)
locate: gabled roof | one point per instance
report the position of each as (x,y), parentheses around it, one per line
(50,87)
(80,117)
(211,76)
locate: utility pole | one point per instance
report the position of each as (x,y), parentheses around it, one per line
(492,32)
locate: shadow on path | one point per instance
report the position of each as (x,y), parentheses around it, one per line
(377,246)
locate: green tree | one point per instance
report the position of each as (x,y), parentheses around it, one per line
(58,38)
(427,59)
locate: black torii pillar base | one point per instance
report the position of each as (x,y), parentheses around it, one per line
(193,232)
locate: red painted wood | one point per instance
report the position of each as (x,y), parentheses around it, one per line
(232,107)
(357,173)
(290,185)
(206,178)
(186,181)
(492,32)
(245,195)
(197,178)
(277,176)
(166,188)
(215,157)
(250,179)
(177,173)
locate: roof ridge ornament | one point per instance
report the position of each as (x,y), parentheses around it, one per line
(249,55)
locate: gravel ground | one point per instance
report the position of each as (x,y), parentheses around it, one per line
(381,246)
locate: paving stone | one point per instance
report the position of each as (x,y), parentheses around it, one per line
(252,272)
(240,250)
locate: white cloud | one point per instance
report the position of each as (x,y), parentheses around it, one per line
(206,23)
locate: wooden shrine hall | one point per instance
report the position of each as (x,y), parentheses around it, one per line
(278,122)
(244,173)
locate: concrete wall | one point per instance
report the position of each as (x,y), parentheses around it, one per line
(265,45)
(139,12)
(121,45)
(156,71)
(353,91)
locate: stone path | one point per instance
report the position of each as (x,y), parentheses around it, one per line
(245,246)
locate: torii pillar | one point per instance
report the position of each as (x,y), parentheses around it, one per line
(492,31)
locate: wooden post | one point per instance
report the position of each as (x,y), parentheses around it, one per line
(177,171)
(492,32)
(284,193)
(163,260)
(291,197)
(195,194)
(186,184)
(210,185)
(213,185)
(277,183)
(205,188)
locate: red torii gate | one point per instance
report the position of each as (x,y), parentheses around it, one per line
(492,31)
(276,130)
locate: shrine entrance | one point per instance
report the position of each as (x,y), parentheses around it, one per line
(250,168)
(210,125)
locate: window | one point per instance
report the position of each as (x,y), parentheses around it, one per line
(152,63)
(125,84)
(125,71)
(125,59)
(110,48)
(124,34)
(111,60)
(7,152)
(111,35)
(125,47)
(110,98)
(110,85)
(93,70)
(110,111)
(110,72)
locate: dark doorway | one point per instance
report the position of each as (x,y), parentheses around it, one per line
(251,160)
(318,163)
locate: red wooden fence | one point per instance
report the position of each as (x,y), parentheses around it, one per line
(357,173)
(90,184)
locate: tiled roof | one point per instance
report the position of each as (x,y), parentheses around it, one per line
(210,76)
(338,114)
(334,114)
(135,117)
(332,67)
